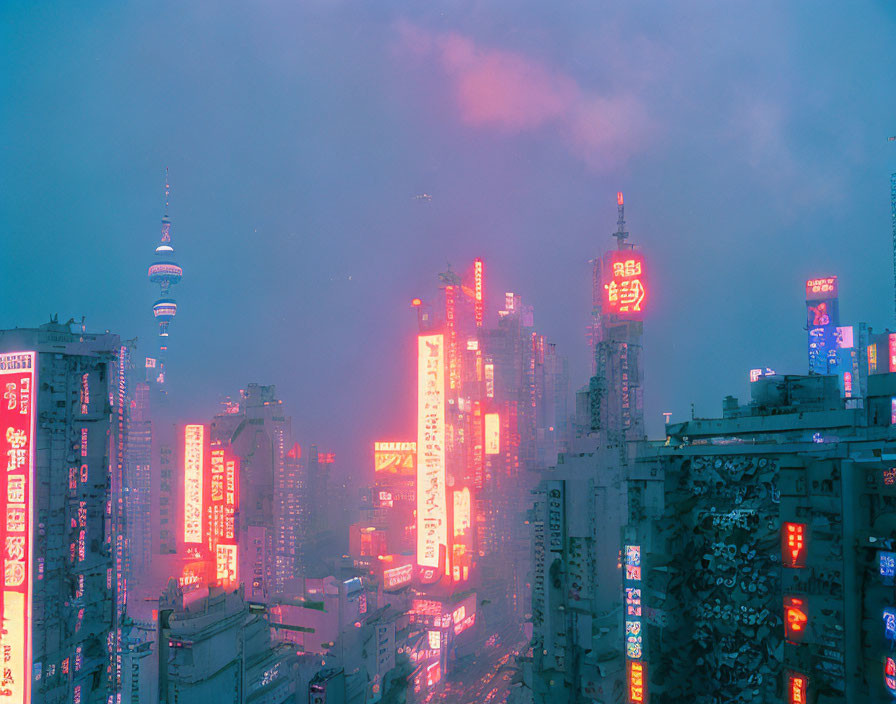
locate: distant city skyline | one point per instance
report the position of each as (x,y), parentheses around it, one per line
(300,137)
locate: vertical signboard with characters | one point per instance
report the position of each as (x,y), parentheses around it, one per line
(625,290)
(822,320)
(17,377)
(432,509)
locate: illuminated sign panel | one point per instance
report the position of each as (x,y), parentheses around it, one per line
(478,304)
(492,434)
(887,566)
(796,618)
(823,319)
(17,376)
(395,457)
(226,564)
(624,288)
(194,464)
(397,576)
(793,543)
(432,518)
(797,687)
(637,677)
(890,675)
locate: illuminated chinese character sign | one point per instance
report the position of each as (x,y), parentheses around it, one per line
(17,376)
(395,458)
(793,544)
(796,618)
(432,514)
(625,289)
(637,678)
(222,503)
(890,675)
(492,433)
(194,467)
(797,688)
(823,319)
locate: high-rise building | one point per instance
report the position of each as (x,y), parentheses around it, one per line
(63,428)
(257,433)
(579,511)
(138,481)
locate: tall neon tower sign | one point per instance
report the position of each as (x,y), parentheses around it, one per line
(165,272)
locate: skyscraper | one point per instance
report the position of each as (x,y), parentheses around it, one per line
(63,588)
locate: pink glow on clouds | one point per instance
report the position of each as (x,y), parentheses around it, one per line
(512,93)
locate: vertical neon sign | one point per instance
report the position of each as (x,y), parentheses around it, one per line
(478,304)
(194,466)
(432,518)
(797,686)
(17,376)
(793,542)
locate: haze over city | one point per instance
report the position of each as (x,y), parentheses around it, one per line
(347,183)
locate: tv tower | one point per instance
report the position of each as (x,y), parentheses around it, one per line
(165,272)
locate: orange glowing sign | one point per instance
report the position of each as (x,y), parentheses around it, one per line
(797,686)
(492,434)
(793,543)
(432,518)
(796,618)
(17,377)
(395,457)
(223,498)
(194,466)
(478,304)
(624,287)
(637,676)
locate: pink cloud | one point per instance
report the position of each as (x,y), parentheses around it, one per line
(512,93)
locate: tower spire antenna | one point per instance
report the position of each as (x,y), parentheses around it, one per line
(167,191)
(621,235)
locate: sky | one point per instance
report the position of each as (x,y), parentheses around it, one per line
(749,138)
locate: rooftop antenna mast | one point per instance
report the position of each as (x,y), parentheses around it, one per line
(621,235)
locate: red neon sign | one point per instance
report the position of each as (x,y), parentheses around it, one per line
(821,289)
(797,686)
(796,618)
(17,447)
(624,288)
(890,675)
(637,676)
(793,543)
(326,457)
(194,468)
(477,279)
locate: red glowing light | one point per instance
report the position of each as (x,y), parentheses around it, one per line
(478,305)
(793,541)
(637,676)
(416,303)
(16,435)
(624,288)
(798,684)
(326,457)
(795,617)
(619,200)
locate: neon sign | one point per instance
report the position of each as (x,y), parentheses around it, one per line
(797,686)
(395,457)
(637,675)
(633,562)
(890,675)
(398,576)
(633,639)
(890,624)
(226,564)
(887,561)
(796,618)
(793,541)
(194,464)
(478,304)
(432,518)
(625,291)
(492,434)
(17,376)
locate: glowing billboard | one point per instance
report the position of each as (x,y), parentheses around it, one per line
(625,291)
(478,305)
(17,377)
(492,434)
(397,576)
(395,457)
(793,542)
(226,564)
(797,686)
(462,520)
(637,676)
(194,465)
(822,321)
(432,519)
(796,618)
